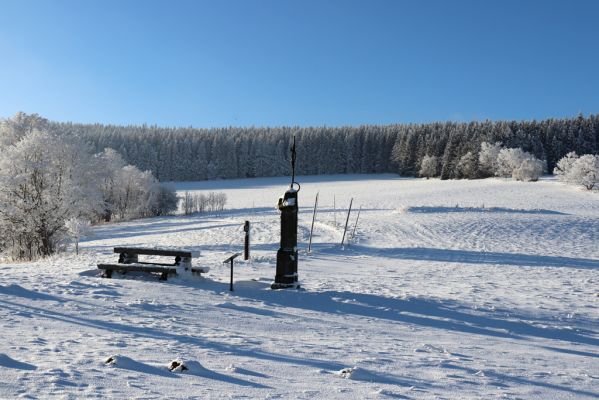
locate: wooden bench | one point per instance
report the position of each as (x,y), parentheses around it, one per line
(129,261)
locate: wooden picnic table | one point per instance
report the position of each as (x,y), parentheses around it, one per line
(129,261)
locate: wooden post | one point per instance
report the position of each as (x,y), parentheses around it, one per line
(346,221)
(313,219)
(246,247)
(231,283)
(357,218)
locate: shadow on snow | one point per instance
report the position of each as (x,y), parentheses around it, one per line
(460,256)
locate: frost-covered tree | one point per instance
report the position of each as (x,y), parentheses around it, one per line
(487,158)
(529,170)
(508,160)
(220,201)
(467,166)
(564,166)
(164,200)
(450,157)
(44,181)
(429,166)
(14,129)
(188,203)
(518,164)
(111,163)
(76,229)
(585,172)
(133,193)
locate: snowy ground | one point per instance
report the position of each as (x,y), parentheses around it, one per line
(454,289)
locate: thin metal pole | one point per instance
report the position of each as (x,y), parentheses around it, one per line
(313,219)
(346,221)
(293,158)
(357,218)
(334,212)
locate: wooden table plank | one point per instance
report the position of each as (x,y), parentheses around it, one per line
(153,252)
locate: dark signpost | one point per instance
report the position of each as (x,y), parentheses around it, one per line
(246,242)
(230,260)
(286,274)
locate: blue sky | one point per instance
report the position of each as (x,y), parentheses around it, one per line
(284,62)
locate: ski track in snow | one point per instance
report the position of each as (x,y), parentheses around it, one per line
(453,289)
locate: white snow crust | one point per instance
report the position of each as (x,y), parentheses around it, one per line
(450,289)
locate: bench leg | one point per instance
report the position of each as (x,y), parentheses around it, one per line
(163,276)
(107,273)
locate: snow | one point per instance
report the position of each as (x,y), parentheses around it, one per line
(450,289)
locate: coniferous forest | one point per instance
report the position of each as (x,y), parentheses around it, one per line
(184,154)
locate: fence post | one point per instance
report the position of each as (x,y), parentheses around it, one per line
(357,218)
(231,283)
(346,221)
(313,219)
(334,212)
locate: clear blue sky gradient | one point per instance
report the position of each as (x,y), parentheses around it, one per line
(284,62)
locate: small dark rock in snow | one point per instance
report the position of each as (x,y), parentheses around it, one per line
(177,366)
(346,372)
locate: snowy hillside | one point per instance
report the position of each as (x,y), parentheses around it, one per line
(450,289)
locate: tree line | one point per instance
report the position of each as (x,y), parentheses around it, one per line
(185,154)
(55,175)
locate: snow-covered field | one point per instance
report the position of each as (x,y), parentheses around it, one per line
(453,289)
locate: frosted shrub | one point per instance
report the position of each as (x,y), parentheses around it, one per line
(518,164)
(164,200)
(221,200)
(216,201)
(564,166)
(530,170)
(199,202)
(508,160)
(131,193)
(187,203)
(582,171)
(77,228)
(429,166)
(585,172)
(487,158)
(193,203)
